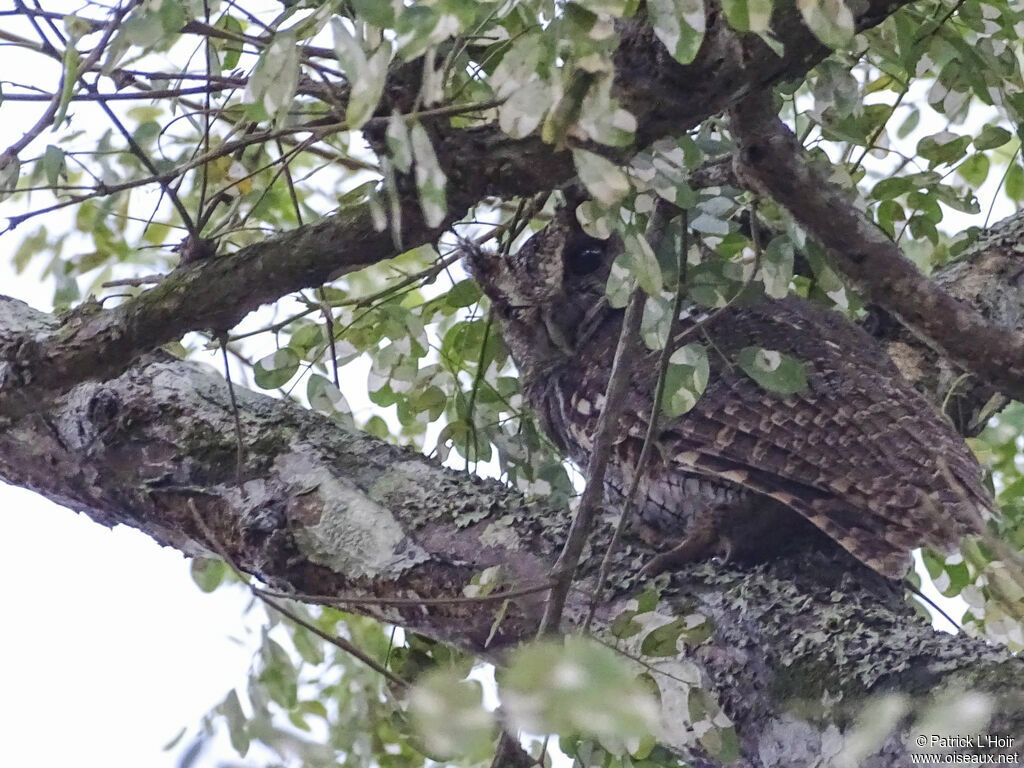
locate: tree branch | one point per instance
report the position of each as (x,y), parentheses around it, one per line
(479,162)
(331,512)
(770,159)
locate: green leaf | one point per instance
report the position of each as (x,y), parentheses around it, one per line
(72,60)
(909,124)
(146,132)
(620,284)
(208,572)
(276,369)
(974,170)
(692,629)
(716,282)
(895,186)
(522,112)
(991,136)
(772,370)
(777,266)
(172,16)
(174,740)
(309,646)
(654,325)
(602,119)
(399,143)
(685,380)
(888,213)
(831,21)
(238,729)
(365,74)
(379,428)
(965,202)
(276,76)
(66,290)
(379,14)
(942,148)
(10,170)
(748,15)
(1014,185)
(324,396)
(680,25)
(577,686)
(464,293)
(420,26)
(951,573)
(143,28)
(449,715)
(604,180)
(54,165)
(432,401)
(232,48)
(625,625)
(430,179)
(717,736)
(639,258)
(709,224)
(663,640)
(277,673)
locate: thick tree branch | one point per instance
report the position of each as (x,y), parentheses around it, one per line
(988,277)
(771,160)
(331,512)
(480,162)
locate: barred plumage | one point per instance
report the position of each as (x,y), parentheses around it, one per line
(860,453)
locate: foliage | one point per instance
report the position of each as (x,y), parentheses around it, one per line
(188,119)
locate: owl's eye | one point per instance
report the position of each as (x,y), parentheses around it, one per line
(583,255)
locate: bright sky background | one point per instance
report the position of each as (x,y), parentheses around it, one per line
(107,647)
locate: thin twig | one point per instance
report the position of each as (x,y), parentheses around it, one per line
(607,426)
(652,422)
(144,158)
(338,642)
(409,602)
(50,112)
(133,281)
(222,337)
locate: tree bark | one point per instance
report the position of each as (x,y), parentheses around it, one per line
(321,510)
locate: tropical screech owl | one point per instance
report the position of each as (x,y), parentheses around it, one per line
(859,453)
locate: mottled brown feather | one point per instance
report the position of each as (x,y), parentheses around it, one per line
(859,453)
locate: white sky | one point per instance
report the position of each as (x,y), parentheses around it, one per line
(107,647)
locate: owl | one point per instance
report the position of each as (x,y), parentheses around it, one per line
(859,453)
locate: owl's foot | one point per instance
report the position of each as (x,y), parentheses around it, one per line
(703,540)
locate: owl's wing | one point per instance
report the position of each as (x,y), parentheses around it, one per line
(859,453)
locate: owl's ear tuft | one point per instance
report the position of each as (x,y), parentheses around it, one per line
(480,263)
